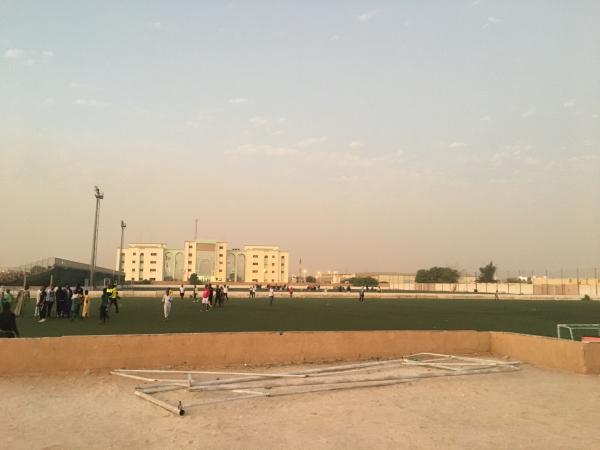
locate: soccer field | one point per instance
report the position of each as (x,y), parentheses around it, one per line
(144,316)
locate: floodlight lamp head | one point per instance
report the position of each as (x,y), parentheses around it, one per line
(123,224)
(99,195)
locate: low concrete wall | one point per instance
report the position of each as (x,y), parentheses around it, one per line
(71,353)
(540,351)
(198,350)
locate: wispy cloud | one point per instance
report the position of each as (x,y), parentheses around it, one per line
(457,145)
(335,37)
(47,54)
(14,53)
(92,102)
(307,142)
(529,112)
(569,104)
(366,16)
(485,118)
(330,159)
(265,150)
(259,122)
(237,100)
(490,22)
(356,144)
(84,86)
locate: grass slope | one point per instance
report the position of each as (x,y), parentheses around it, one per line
(144,316)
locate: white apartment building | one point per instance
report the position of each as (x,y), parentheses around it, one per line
(266,264)
(210,260)
(207,259)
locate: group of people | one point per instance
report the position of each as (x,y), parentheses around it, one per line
(211,297)
(70,303)
(8,322)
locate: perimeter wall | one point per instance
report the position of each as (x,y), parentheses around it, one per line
(209,350)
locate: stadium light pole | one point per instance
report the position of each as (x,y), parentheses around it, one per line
(99,196)
(123,226)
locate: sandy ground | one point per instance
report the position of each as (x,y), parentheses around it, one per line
(528,409)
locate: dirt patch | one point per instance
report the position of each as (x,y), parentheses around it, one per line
(531,408)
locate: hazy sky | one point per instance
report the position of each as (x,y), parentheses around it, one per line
(358,135)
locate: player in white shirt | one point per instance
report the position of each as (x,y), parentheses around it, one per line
(167,302)
(181,291)
(271,295)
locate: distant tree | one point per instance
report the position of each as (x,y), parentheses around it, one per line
(311,279)
(487,274)
(194,279)
(437,275)
(363,281)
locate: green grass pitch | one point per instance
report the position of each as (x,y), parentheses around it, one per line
(144,316)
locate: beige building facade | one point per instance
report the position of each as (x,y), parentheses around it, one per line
(207,259)
(266,264)
(210,260)
(142,261)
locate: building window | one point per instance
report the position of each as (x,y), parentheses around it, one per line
(189,262)
(255,280)
(272,256)
(255,271)
(189,255)
(190,247)
(272,264)
(152,279)
(152,254)
(152,270)
(220,270)
(152,262)
(221,248)
(254,256)
(271,271)
(133,270)
(132,262)
(220,255)
(122,254)
(134,253)
(255,264)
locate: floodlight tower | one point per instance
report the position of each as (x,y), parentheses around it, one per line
(123,226)
(99,196)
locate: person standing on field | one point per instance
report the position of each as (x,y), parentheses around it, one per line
(113,294)
(181,292)
(271,295)
(50,298)
(86,305)
(39,302)
(104,306)
(22,299)
(225,293)
(205,295)
(167,301)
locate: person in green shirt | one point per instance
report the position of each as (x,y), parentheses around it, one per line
(8,297)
